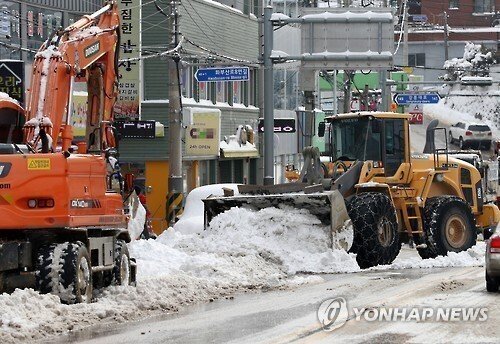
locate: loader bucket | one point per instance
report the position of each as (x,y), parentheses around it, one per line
(327,206)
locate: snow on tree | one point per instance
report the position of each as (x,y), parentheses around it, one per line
(475,62)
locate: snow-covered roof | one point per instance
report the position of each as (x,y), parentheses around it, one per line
(349,16)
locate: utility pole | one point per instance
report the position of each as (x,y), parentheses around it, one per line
(334,104)
(405,34)
(347,90)
(445,35)
(268,99)
(175,181)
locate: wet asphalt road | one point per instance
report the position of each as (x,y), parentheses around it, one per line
(290,315)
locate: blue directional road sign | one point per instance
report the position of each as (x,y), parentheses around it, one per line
(222,74)
(417,98)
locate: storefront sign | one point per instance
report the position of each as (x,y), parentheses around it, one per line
(203,134)
(136,129)
(281,125)
(128,103)
(12,79)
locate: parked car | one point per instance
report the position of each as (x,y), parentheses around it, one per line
(492,262)
(474,135)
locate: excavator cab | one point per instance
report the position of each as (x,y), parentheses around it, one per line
(11,122)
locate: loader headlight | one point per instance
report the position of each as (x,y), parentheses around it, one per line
(439,177)
(32,203)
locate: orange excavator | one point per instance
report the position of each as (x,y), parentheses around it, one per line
(63,226)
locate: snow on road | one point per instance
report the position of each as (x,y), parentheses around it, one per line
(242,250)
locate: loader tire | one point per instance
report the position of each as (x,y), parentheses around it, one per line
(376,237)
(448,227)
(122,270)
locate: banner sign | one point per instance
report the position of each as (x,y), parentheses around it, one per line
(128,104)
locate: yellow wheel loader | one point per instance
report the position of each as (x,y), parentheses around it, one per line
(390,195)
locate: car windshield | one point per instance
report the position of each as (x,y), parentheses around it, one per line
(356,139)
(479,127)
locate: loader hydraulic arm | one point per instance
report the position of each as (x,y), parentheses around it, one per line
(86,51)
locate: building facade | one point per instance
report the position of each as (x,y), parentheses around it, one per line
(217,31)
(474,21)
(27,24)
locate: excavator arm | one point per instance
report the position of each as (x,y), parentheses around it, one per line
(86,51)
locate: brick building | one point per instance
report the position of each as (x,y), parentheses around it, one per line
(468,20)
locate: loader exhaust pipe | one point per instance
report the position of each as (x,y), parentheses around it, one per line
(430,145)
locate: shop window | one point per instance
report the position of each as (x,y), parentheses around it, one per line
(238,171)
(253,171)
(279,89)
(203,91)
(220,92)
(254,88)
(186,82)
(10,26)
(212,92)
(40,24)
(225,171)
(213,171)
(236,92)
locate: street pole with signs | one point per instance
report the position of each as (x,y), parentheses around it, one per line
(175,181)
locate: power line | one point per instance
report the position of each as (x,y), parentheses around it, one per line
(165,53)
(201,30)
(246,62)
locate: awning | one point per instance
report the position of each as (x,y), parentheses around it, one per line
(228,153)
(236,150)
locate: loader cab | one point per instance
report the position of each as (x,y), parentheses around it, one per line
(366,137)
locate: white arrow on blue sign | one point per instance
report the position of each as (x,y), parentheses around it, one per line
(222,74)
(417,98)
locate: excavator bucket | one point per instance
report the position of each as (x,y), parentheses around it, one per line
(328,206)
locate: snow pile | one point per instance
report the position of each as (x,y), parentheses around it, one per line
(192,219)
(135,225)
(281,241)
(472,257)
